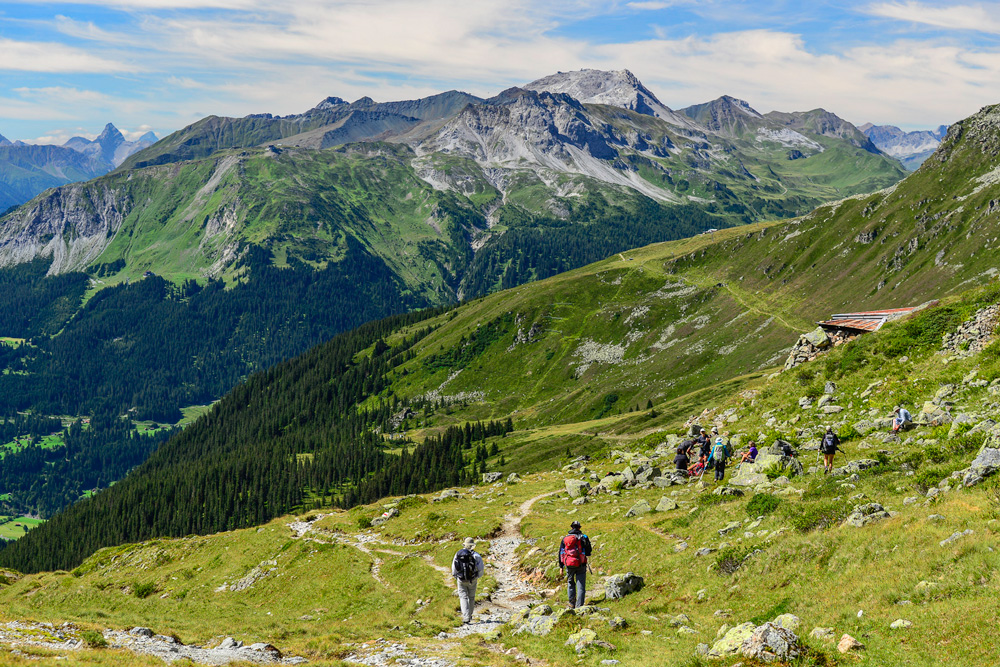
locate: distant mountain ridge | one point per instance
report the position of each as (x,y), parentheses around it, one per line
(910,148)
(27,170)
(110,147)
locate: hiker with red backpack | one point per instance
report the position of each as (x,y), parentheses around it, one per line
(467,567)
(574,550)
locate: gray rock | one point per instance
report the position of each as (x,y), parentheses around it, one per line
(832,409)
(641,508)
(490,477)
(788,622)
(770,643)
(732,642)
(666,504)
(704,551)
(866,514)
(955,537)
(618,586)
(728,491)
(824,634)
(142,632)
(647,474)
(628,474)
(830,387)
(730,527)
(576,487)
(513,478)
(900,624)
(538,626)
(817,338)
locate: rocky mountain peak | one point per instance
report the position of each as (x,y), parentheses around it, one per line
(725,115)
(619,88)
(4,141)
(330,103)
(149,137)
(110,133)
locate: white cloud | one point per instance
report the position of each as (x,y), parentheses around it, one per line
(53,57)
(979,18)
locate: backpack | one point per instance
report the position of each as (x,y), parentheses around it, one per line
(573,555)
(829,443)
(465,563)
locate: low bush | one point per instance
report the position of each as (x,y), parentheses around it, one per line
(731,558)
(410,502)
(93,639)
(805,517)
(763,504)
(143,590)
(364,522)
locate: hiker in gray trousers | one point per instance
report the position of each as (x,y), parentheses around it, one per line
(467,567)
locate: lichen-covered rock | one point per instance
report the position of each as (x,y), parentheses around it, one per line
(866,514)
(732,642)
(824,634)
(490,477)
(771,642)
(618,586)
(513,478)
(900,624)
(535,625)
(788,622)
(666,504)
(576,487)
(728,491)
(641,508)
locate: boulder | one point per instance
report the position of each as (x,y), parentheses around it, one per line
(513,478)
(628,474)
(900,624)
(618,586)
(535,625)
(576,487)
(817,338)
(830,387)
(788,622)
(612,482)
(770,643)
(848,643)
(388,514)
(954,537)
(866,514)
(146,632)
(854,467)
(728,491)
(580,640)
(490,477)
(641,508)
(666,504)
(647,474)
(732,641)
(824,634)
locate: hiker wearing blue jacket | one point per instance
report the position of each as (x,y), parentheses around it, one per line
(574,550)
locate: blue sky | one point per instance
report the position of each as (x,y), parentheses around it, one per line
(68,68)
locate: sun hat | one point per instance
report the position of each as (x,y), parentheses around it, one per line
(470,543)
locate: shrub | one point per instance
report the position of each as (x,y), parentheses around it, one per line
(364,522)
(763,504)
(143,590)
(93,639)
(409,502)
(774,471)
(806,517)
(731,558)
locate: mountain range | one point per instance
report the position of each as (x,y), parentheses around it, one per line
(27,170)
(238,242)
(910,148)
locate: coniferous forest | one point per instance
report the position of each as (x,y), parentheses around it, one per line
(286,438)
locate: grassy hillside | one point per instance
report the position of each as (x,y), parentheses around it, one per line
(718,560)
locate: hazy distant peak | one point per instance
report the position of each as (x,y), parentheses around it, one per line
(148,137)
(4,141)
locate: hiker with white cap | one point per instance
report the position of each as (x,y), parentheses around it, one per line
(467,567)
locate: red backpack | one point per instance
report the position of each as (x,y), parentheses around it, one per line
(573,555)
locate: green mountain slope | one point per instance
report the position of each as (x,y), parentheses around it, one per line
(671,324)
(26,170)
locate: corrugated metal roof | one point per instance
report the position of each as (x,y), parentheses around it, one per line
(869,320)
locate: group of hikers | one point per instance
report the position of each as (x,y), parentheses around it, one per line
(710,455)
(575,547)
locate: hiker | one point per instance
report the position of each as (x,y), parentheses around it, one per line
(467,567)
(717,459)
(786,449)
(901,419)
(574,550)
(750,455)
(829,446)
(682,460)
(687,446)
(704,446)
